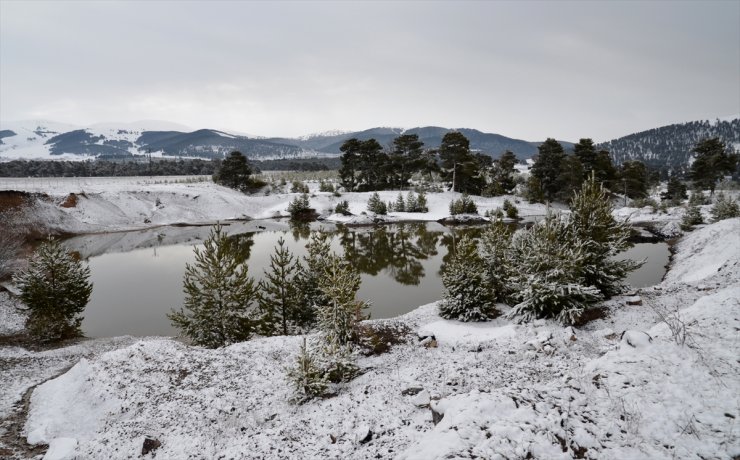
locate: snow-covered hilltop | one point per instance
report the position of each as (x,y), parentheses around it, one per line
(657,377)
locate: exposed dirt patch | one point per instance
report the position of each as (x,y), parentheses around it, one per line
(70,201)
(12,200)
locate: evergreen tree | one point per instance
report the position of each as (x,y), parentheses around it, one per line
(219,296)
(601,237)
(549,273)
(463,205)
(376,205)
(634,179)
(405,159)
(421,203)
(349,162)
(278,299)
(307,378)
(692,217)
(400,204)
(503,173)
(570,178)
(460,167)
(308,275)
(675,191)
(497,258)
(300,208)
(712,160)
(547,168)
(371,166)
(234,172)
(585,152)
(55,289)
(724,208)
(468,295)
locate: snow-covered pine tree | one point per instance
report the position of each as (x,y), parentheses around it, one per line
(307,279)
(496,255)
(692,217)
(400,204)
(724,208)
(602,238)
(549,273)
(307,378)
(55,289)
(277,296)
(338,318)
(412,204)
(376,205)
(219,296)
(421,202)
(467,295)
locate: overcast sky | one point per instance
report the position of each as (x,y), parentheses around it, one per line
(523,69)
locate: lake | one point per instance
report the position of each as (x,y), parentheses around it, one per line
(137,276)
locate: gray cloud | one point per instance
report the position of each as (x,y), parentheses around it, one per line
(524,69)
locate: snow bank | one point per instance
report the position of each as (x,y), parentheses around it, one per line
(536,390)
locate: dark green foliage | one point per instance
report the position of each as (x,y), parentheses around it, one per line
(376,205)
(363,165)
(503,174)
(534,192)
(549,277)
(511,211)
(724,208)
(468,295)
(325,187)
(298,187)
(98,168)
(343,208)
(602,237)
(278,300)
(547,168)
(459,166)
(692,217)
(405,160)
(463,205)
(675,192)
(220,296)
(300,208)
(55,289)
(307,378)
(416,203)
(570,178)
(234,172)
(308,275)
(497,258)
(633,179)
(712,161)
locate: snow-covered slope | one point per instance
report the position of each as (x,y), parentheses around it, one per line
(626,386)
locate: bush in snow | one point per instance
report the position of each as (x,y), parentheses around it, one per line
(325,186)
(306,378)
(299,187)
(549,274)
(278,301)
(219,296)
(463,205)
(692,217)
(55,289)
(300,208)
(511,211)
(308,276)
(376,205)
(467,295)
(343,208)
(497,258)
(602,237)
(724,208)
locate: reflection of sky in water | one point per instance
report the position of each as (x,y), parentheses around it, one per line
(133,291)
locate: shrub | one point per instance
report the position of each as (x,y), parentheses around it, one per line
(325,186)
(416,203)
(299,187)
(300,207)
(463,205)
(467,295)
(724,208)
(376,205)
(220,297)
(55,289)
(691,218)
(306,378)
(511,211)
(343,208)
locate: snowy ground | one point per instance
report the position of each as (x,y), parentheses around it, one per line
(625,386)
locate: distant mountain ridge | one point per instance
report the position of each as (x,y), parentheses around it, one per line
(49,140)
(671,146)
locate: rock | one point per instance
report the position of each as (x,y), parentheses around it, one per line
(427,339)
(364,434)
(636,339)
(634,300)
(411,391)
(150,444)
(422,399)
(437,411)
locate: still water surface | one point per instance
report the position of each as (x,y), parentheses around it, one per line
(135,287)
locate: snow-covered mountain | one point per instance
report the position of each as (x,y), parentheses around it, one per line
(670,146)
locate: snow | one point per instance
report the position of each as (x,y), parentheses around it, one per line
(506,391)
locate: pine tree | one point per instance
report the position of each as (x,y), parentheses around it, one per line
(376,205)
(307,280)
(234,172)
(307,378)
(421,203)
(594,226)
(497,258)
(338,317)
(692,217)
(712,160)
(549,273)
(468,295)
(219,296)
(547,168)
(724,208)
(55,289)
(400,205)
(277,297)
(412,203)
